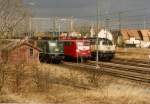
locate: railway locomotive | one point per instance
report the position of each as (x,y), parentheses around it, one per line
(52,51)
(76,49)
(106,49)
(104,46)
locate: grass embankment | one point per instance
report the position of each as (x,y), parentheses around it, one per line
(56,84)
(133,53)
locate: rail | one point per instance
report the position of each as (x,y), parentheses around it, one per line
(132,72)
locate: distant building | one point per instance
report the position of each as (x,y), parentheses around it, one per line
(16,52)
(146,35)
(137,38)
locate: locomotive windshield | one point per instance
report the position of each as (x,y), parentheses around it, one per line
(107,42)
(83,43)
(55,47)
(50,46)
(61,46)
(103,40)
(79,43)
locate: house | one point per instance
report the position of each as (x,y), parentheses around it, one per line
(125,34)
(134,34)
(146,38)
(18,51)
(146,35)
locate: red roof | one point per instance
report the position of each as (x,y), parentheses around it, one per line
(14,44)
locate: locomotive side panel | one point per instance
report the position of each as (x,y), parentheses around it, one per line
(70,48)
(76,49)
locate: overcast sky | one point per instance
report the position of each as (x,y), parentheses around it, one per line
(133,13)
(79,8)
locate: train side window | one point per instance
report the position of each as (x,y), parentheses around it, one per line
(65,43)
(68,43)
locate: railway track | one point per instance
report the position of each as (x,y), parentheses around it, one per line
(133,62)
(129,71)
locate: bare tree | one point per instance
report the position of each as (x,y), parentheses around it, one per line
(19,76)
(2,76)
(12,13)
(95,76)
(40,79)
(83,28)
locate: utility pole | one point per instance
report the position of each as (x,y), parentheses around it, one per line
(144,22)
(119,15)
(54,27)
(59,27)
(30,26)
(107,26)
(97,31)
(71,24)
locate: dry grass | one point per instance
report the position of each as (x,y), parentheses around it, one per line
(133,53)
(61,87)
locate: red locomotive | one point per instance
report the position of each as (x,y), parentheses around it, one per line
(76,49)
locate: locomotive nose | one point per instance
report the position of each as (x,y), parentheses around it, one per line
(77,50)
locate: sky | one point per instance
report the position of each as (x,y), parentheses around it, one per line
(135,12)
(81,8)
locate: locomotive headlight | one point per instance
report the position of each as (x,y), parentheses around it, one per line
(56,49)
(77,50)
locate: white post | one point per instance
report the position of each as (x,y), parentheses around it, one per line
(77,52)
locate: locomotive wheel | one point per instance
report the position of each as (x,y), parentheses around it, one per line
(43,58)
(68,58)
(56,61)
(84,60)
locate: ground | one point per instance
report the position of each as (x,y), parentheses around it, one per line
(133,53)
(70,86)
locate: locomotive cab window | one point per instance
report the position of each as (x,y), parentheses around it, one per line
(60,45)
(93,41)
(79,43)
(86,43)
(107,42)
(52,44)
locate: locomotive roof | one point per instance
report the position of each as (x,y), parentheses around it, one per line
(75,40)
(49,40)
(99,39)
